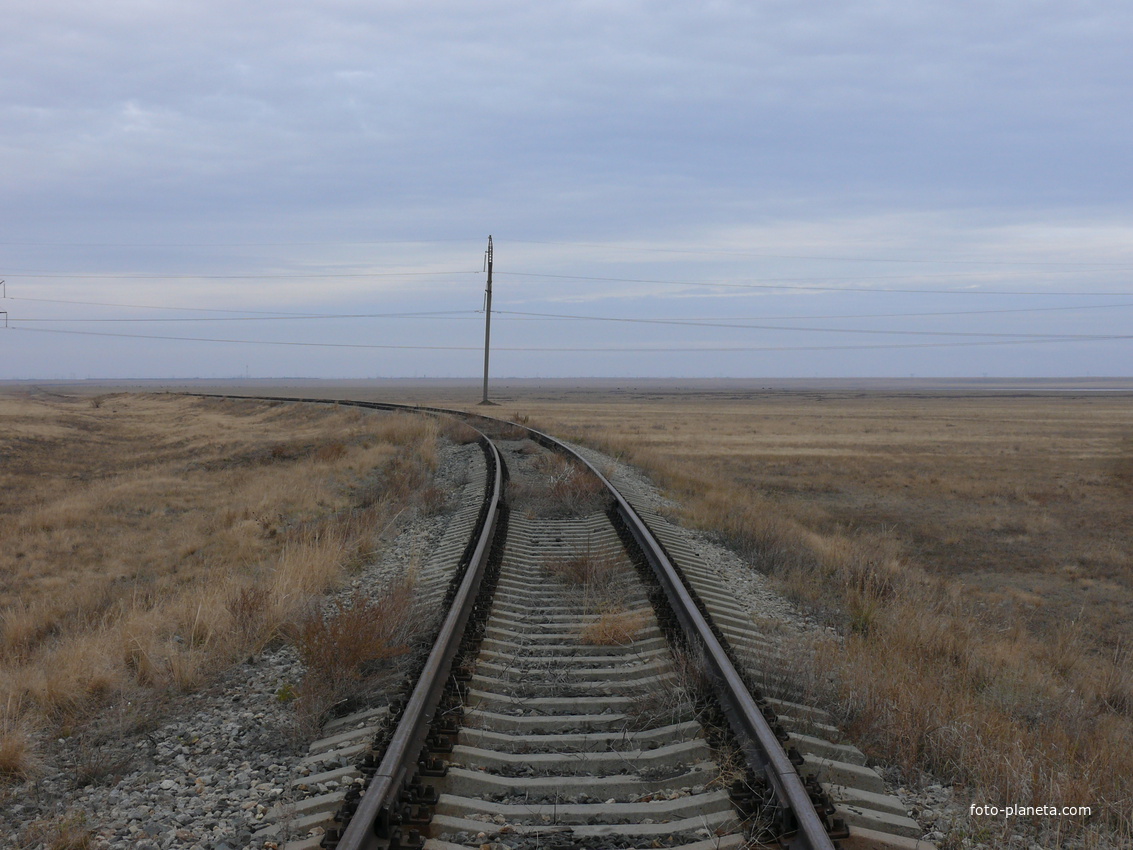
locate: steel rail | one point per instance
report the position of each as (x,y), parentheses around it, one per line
(765,753)
(371,824)
(748,723)
(394,771)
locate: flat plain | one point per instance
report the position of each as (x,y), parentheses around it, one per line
(967,542)
(1019,490)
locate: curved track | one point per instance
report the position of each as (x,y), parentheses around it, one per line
(590,704)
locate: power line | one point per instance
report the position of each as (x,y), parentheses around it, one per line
(251,341)
(268,315)
(149,306)
(702,324)
(265,276)
(468,314)
(607,350)
(256,314)
(713,284)
(233,244)
(645,249)
(445,314)
(759,255)
(701,319)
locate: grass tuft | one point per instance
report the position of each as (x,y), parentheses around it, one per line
(17,745)
(614,628)
(346,650)
(559,488)
(69,832)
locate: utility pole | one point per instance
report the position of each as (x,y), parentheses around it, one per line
(487,322)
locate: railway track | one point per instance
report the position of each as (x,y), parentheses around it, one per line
(589,687)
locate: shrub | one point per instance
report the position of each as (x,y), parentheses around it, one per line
(346,649)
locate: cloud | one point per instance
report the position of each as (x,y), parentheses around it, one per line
(261,137)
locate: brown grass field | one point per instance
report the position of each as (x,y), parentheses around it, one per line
(970,544)
(148,541)
(973,550)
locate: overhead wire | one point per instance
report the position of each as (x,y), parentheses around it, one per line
(581,349)
(200,276)
(270,315)
(443,314)
(792,284)
(795,328)
(840,259)
(641,249)
(933,313)
(147,306)
(795,288)
(326,244)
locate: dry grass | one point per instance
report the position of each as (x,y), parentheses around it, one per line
(673,701)
(148,541)
(614,628)
(459,432)
(998,597)
(18,759)
(587,569)
(346,650)
(67,832)
(973,551)
(600,580)
(555,486)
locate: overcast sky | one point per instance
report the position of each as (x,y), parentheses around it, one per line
(674,189)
